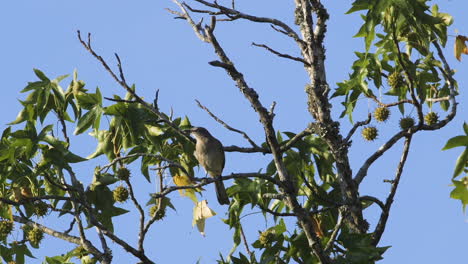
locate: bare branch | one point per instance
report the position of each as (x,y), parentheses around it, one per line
(246,150)
(386,146)
(61,235)
(123,84)
(282,55)
(266,209)
(405,101)
(141,234)
(358,124)
(440,99)
(196,27)
(267,121)
(237,14)
(289,144)
(322,17)
(334,234)
(226,125)
(242,229)
(379,229)
(159,157)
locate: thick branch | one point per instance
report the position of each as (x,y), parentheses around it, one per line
(61,235)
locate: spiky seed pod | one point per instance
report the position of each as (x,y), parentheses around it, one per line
(266,237)
(431,118)
(381,114)
(6,226)
(123,174)
(35,235)
(370,133)
(120,194)
(395,79)
(40,208)
(157,213)
(406,122)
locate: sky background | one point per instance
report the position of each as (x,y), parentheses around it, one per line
(158,52)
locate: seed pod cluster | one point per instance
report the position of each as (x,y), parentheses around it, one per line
(382,114)
(120,194)
(370,133)
(406,123)
(431,118)
(157,213)
(123,174)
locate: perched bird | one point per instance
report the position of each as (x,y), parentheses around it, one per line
(210,154)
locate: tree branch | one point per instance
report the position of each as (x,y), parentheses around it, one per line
(123,84)
(282,55)
(358,124)
(379,229)
(254,145)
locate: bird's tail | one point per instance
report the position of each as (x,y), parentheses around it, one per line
(221,192)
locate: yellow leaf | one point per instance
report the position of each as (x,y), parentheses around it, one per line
(460,46)
(184,180)
(201,212)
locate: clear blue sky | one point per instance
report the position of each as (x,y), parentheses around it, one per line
(158,52)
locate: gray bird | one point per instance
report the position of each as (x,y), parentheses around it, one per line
(210,154)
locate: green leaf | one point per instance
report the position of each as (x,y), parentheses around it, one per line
(460,193)
(462,162)
(465,128)
(27,114)
(88,120)
(41,75)
(458,141)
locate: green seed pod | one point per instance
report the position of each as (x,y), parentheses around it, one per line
(267,237)
(123,174)
(395,80)
(35,235)
(40,208)
(6,226)
(431,118)
(406,122)
(157,213)
(120,194)
(381,114)
(370,133)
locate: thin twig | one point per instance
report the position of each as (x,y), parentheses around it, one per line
(379,229)
(141,236)
(358,124)
(334,234)
(159,157)
(386,146)
(123,84)
(246,244)
(265,209)
(226,125)
(282,55)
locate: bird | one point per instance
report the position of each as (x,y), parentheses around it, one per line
(210,154)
